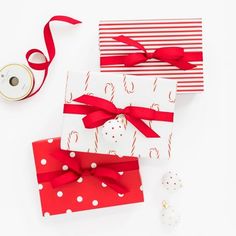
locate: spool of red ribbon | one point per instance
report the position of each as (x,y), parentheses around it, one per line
(17,81)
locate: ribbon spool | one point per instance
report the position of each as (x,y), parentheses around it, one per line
(16,82)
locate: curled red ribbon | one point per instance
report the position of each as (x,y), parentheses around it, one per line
(106,173)
(99,110)
(175,56)
(50,48)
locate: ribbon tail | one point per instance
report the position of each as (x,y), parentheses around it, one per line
(113,184)
(68,177)
(181,64)
(111,178)
(184,62)
(142,127)
(130,42)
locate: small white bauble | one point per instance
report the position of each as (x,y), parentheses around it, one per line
(169,216)
(113,131)
(171,181)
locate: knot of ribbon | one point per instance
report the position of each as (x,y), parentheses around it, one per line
(106,173)
(175,56)
(98,110)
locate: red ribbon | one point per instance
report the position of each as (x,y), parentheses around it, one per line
(99,110)
(106,173)
(50,48)
(175,56)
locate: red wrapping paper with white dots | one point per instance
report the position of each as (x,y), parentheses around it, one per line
(88,191)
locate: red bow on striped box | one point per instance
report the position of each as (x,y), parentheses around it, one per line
(170,48)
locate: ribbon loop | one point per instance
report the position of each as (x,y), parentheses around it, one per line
(169,53)
(50,49)
(98,110)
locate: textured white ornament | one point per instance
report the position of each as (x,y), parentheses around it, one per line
(113,131)
(169,216)
(171,181)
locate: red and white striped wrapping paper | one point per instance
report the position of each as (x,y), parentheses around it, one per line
(153,34)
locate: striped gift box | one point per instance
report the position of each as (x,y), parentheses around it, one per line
(154,34)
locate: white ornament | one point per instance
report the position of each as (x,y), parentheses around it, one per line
(171,181)
(113,131)
(169,216)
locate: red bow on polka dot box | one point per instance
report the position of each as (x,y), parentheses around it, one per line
(119,114)
(76,181)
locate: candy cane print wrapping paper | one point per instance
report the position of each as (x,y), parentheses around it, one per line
(153,35)
(151,139)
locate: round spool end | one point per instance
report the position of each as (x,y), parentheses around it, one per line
(16,82)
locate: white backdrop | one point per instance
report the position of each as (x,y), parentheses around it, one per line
(203,139)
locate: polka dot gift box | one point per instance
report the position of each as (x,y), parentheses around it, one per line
(119,114)
(75,181)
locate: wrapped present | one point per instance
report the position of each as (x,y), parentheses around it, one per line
(119,114)
(170,48)
(75,181)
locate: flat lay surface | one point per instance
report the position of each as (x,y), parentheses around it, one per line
(203,135)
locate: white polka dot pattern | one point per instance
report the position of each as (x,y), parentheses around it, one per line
(79,199)
(80,180)
(43,162)
(93,165)
(72,154)
(65,167)
(50,140)
(86,192)
(95,202)
(59,193)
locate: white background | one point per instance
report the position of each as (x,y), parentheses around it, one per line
(204,133)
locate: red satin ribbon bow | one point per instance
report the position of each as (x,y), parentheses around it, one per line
(106,173)
(99,110)
(173,55)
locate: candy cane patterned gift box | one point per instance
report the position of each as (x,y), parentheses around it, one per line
(75,181)
(170,48)
(119,114)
